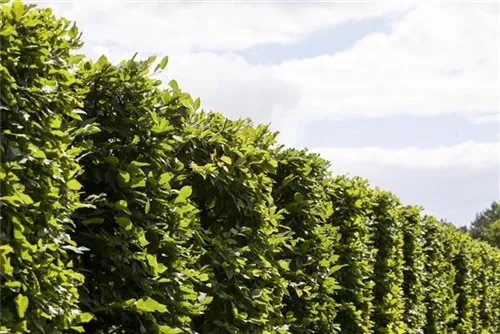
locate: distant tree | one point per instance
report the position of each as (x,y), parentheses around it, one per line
(486,226)
(492,234)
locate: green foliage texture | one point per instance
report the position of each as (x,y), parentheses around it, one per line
(486,225)
(127,209)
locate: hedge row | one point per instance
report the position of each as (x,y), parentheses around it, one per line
(39,166)
(125,209)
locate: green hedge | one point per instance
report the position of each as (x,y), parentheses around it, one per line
(352,215)
(126,209)
(414,285)
(40,150)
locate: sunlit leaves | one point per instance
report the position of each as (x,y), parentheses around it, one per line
(184,221)
(144,221)
(226,159)
(124,223)
(83,318)
(162,64)
(22,304)
(18,9)
(169,330)
(184,193)
(147,304)
(74,185)
(39,168)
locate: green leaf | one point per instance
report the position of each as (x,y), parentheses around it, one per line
(21,327)
(22,304)
(284,265)
(124,223)
(174,85)
(55,122)
(13,284)
(304,248)
(112,160)
(298,197)
(163,126)
(16,198)
(17,9)
(207,300)
(74,185)
(184,193)
(147,304)
(101,62)
(197,103)
(169,330)
(136,140)
(6,249)
(75,59)
(165,178)
(5,266)
(84,318)
(37,153)
(92,221)
(123,206)
(226,159)
(138,182)
(123,178)
(203,277)
(163,63)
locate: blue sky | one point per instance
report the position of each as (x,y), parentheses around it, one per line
(328,40)
(402,93)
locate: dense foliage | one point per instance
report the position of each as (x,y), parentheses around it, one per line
(125,209)
(40,146)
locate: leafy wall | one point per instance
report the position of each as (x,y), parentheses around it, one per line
(125,209)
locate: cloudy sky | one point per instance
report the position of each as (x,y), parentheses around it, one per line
(404,94)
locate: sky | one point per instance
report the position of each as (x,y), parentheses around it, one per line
(404,94)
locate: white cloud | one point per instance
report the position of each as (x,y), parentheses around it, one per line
(451,182)
(432,63)
(467,155)
(184,27)
(480,119)
(238,90)
(439,58)
(231,85)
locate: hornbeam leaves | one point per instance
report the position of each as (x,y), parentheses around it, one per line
(124,223)
(169,330)
(147,304)
(126,210)
(184,193)
(22,305)
(18,10)
(163,63)
(74,185)
(39,152)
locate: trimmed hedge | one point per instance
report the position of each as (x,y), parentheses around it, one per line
(414,260)
(125,209)
(40,153)
(353,215)
(142,262)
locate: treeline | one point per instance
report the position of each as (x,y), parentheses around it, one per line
(124,209)
(486,225)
